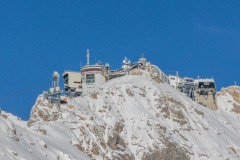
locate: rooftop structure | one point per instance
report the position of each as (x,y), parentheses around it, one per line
(175,81)
(187,86)
(205,92)
(93,76)
(202,91)
(53,94)
(72,83)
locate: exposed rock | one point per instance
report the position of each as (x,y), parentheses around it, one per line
(94,95)
(198,112)
(233,150)
(126,157)
(119,127)
(234,91)
(171,152)
(114,140)
(129,92)
(134,118)
(171,108)
(95,149)
(5,116)
(236,108)
(78,146)
(43,131)
(44,113)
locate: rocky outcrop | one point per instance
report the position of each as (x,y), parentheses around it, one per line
(43,111)
(171,152)
(133,117)
(234,93)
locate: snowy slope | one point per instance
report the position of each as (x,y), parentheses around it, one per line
(131,117)
(17,141)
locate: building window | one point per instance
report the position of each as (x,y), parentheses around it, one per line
(65,78)
(76,82)
(90,78)
(206,85)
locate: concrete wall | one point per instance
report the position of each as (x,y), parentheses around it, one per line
(207,100)
(74,81)
(88,87)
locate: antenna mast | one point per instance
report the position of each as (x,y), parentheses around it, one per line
(177,78)
(55,80)
(88,57)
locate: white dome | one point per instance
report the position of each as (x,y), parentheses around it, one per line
(56,74)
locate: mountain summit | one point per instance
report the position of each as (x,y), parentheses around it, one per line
(131,117)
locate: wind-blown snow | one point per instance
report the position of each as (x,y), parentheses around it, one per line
(131,117)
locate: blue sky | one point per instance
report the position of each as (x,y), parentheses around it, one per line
(37,37)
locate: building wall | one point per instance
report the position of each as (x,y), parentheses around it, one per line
(207,100)
(88,87)
(174,81)
(74,80)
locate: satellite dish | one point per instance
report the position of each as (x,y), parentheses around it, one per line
(56,75)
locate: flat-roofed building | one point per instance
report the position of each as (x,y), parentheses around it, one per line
(72,83)
(174,81)
(93,76)
(205,92)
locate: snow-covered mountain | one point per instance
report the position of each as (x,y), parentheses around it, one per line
(128,118)
(19,142)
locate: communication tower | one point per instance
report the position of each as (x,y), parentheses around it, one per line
(126,65)
(53,95)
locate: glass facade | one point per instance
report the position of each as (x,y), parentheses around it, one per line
(206,85)
(90,78)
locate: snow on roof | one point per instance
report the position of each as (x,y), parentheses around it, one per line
(204,80)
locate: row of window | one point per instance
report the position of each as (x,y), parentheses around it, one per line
(90,78)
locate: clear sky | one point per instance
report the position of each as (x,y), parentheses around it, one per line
(37,37)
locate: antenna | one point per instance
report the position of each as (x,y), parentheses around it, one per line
(55,79)
(177,78)
(88,57)
(235,83)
